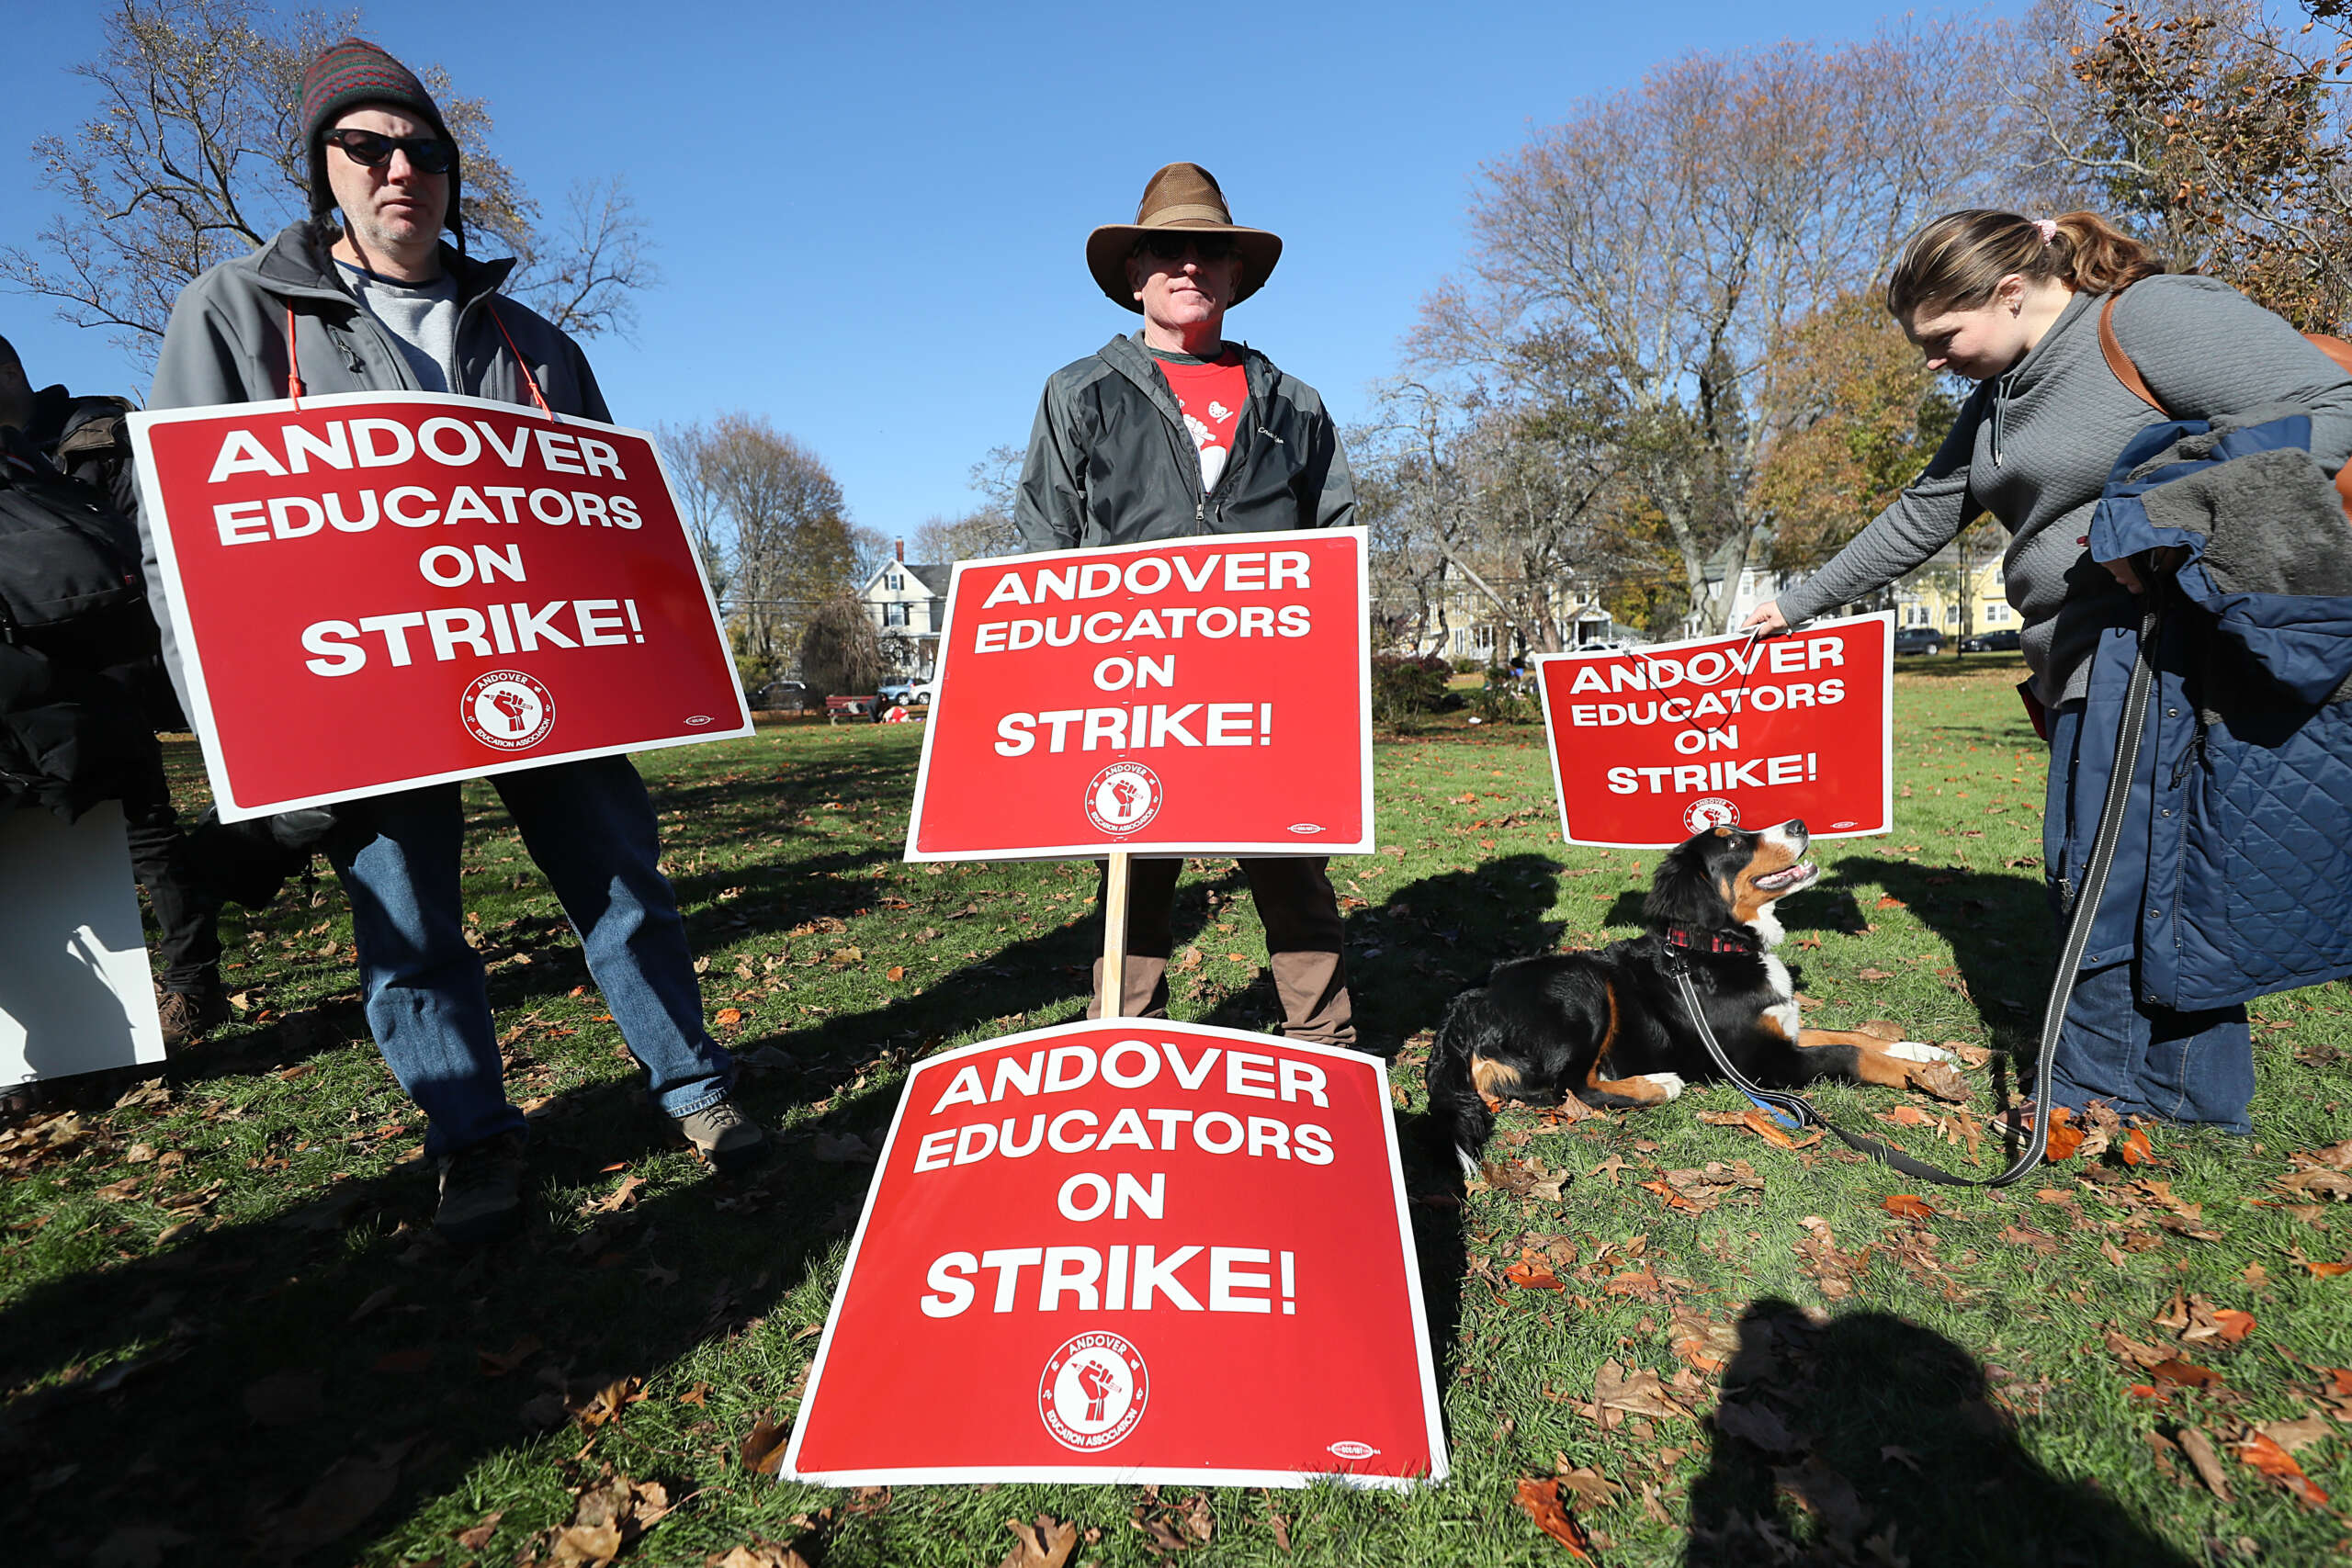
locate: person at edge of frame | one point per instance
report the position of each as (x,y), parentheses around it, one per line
(83,439)
(2013,304)
(1174,433)
(380,303)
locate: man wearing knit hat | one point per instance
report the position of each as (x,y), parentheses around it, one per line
(1174,433)
(379,303)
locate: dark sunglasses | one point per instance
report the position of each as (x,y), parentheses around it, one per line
(426,155)
(1171,247)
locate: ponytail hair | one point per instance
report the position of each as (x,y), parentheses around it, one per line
(1955,262)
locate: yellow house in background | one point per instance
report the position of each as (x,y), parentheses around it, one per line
(1956,597)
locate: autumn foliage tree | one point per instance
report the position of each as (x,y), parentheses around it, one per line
(2217,131)
(1862,414)
(1679,230)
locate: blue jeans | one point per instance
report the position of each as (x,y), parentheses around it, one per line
(590,828)
(2147,1060)
(2143,1059)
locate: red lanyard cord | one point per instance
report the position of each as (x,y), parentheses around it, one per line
(293,370)
(529,380)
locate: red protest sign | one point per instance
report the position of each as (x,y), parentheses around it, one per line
(1203,696)
(373,591)
(1130,1250)
(1654,744)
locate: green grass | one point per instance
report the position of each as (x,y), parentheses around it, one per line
(257,1345)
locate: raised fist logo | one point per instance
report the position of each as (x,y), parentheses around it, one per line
(1093,1391)
(507,710)
(1123,798)
(1094,1378)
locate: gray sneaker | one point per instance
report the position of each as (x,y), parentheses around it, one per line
(725,1137)
(481,1191)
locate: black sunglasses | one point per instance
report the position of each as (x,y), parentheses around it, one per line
(1171,247)
(426,155)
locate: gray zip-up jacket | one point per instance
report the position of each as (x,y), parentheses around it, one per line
(2035,447)
(1110,461)
(226,344)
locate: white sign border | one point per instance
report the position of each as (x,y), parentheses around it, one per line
(1156,849)
(1886,740)
(1432,1409)
(154,524)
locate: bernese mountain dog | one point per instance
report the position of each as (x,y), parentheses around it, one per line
(1610,1025)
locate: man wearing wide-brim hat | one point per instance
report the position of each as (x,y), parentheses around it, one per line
(1175,433)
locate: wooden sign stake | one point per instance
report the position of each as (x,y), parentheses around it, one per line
(1115,937)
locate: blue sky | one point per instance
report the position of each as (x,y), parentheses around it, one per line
(870,219)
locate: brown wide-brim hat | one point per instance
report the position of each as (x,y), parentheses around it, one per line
(1182,195)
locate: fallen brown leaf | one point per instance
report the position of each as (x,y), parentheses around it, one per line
(2199,1450)
(2293,1435)
(1531,1273)
(1589,1485)
(763,1451)
(2266,1455)
(608,1403)
(2184,1374)
(1541,1500)
(1044,1544)
(475,1539)
(1906,1206)
(1757,1424)
(404,1363)
(757,1555)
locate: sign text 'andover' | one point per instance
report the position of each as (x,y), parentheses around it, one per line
(1654,744)
(1204,696)
(1130,1250)
(377,591)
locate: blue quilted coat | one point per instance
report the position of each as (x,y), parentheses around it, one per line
(2233,875)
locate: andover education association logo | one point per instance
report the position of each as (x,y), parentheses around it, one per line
(1092,1391)
(508,709)
(1123,798)
(1713,812)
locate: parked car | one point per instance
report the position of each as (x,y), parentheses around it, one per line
(1990,642)
(907,693)
(784,696)
(1918,639)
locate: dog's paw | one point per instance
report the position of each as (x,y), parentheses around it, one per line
(1912,1051)
(1670,1084)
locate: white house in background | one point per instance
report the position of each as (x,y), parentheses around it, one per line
(1758,583)
(1463,623)
(908,603)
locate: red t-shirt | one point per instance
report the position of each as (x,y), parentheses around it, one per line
(1211,393)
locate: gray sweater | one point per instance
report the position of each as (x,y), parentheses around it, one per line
(2035,447)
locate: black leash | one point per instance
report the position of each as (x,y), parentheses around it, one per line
(2130,735)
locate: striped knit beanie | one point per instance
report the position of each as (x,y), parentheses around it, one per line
(346,75)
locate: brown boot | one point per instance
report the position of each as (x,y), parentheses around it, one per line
(189,1016)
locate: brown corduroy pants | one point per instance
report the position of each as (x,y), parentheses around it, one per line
(1301,915)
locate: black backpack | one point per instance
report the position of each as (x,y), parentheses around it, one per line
(69,565)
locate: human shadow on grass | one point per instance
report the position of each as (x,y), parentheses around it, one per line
(1874,1440)
(284,1388)
(1998,924)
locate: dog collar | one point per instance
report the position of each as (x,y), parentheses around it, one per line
(1708,942)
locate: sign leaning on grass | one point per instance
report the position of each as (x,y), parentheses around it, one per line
(1652,745)
(377,591)
(1130,1250)
(1191,697)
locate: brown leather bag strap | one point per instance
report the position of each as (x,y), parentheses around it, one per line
(2120,362)
(2111,347)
